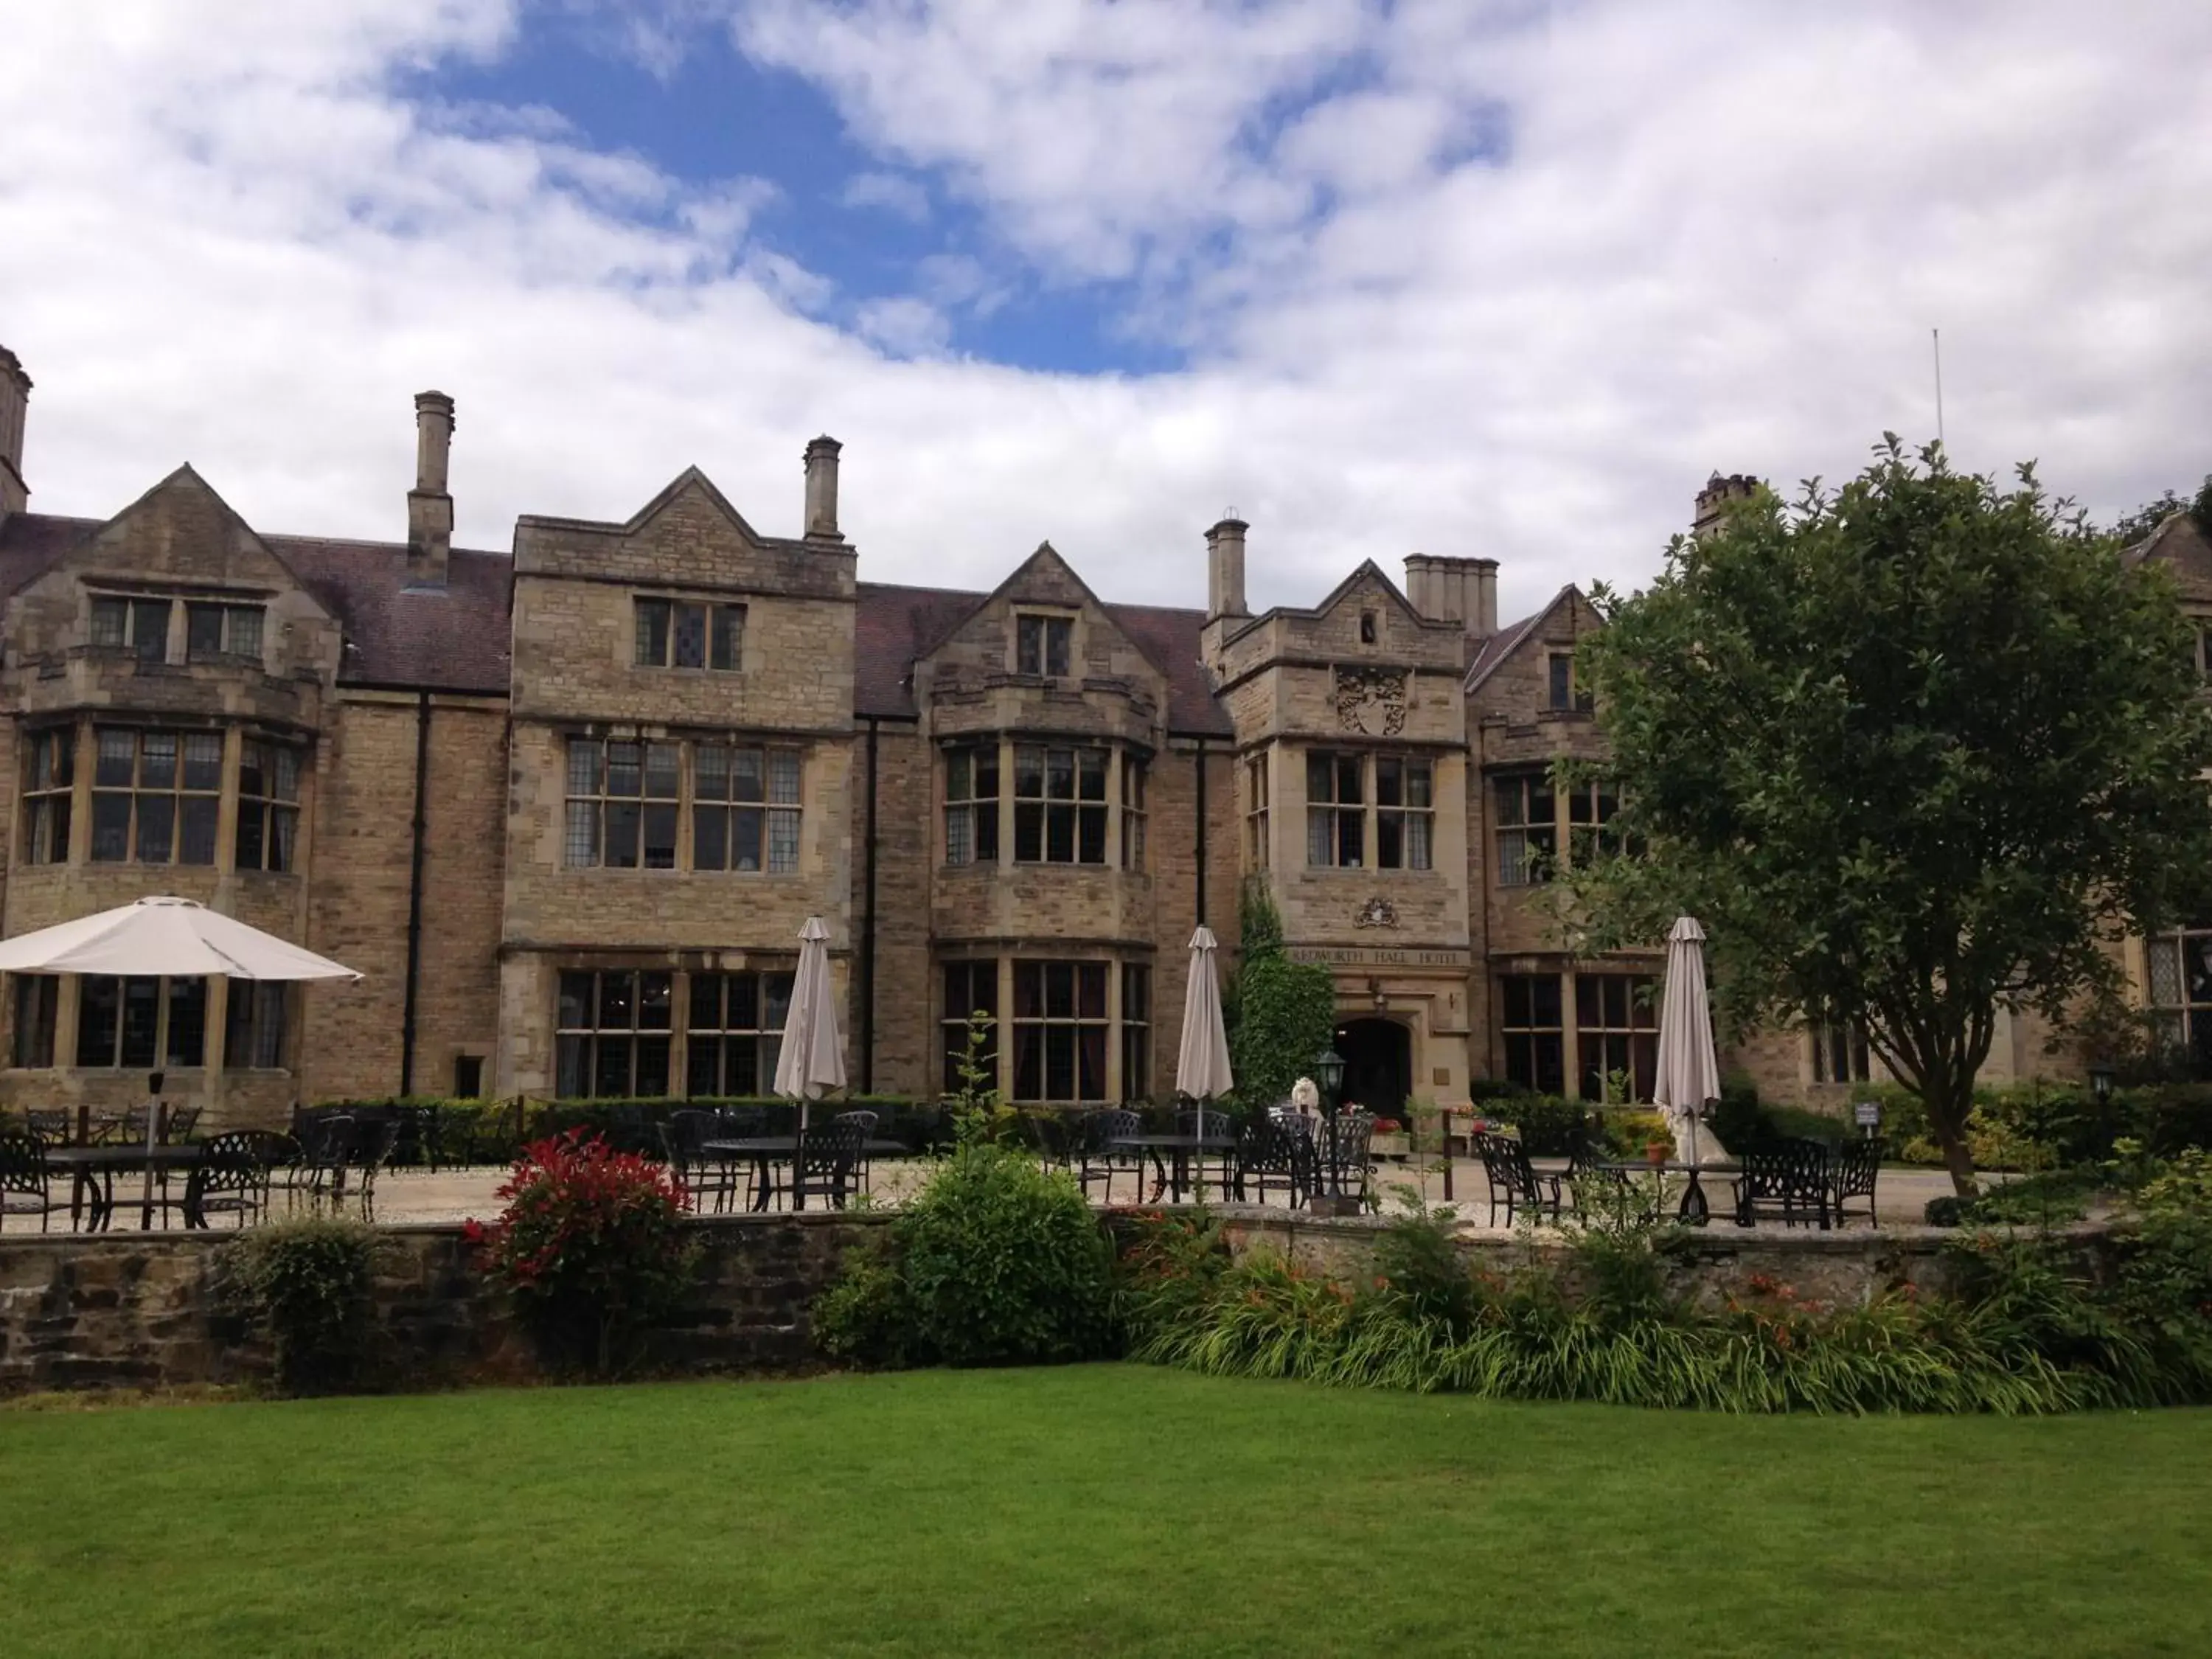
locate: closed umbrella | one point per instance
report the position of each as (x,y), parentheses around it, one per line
(176,937)
(1689,1069)
(1202,1063)
(812,1062)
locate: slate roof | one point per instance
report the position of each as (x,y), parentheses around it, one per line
(898,625)
(457,640)
(451,641)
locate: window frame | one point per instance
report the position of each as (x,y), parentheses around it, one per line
(1257,805)
(588,1040)
(1616,1019)
(596,802)
(1134,811)
(1044,644)
(970,816)
(1039,1038)
(1528,1038)
(973,980)
(1042,818)
(172,1044)
(1563,692)
(668,622)
(776,815)
(1534,836)
(178,798)
(137,609)
(716,1046)
(1135,1026)
(269,815)
(1840,1052)
(230,623)
(49,793)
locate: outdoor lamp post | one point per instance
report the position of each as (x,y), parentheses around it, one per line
(2100,1083)
(1329,1073)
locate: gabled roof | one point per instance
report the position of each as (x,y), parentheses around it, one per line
(898,626)
(2178,541)
(690,481)
(454,640)
(1506,641)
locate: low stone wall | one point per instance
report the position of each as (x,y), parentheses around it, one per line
(159,1310)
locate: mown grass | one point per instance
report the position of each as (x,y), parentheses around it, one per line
(1095,1510)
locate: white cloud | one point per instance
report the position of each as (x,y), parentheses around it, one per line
(1710,234)
(891,191)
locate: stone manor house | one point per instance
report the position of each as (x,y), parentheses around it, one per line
(566,808)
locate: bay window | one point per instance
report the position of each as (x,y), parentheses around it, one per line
(971,803)
(1060,1031)
(1059,805)
(156,795)
(1346,791)
(49,788)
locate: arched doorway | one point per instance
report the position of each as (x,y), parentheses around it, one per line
(1378,1065)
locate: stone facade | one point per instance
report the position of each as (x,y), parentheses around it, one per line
(565,808)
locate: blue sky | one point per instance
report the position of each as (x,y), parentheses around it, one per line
(1494,277)
(705,113)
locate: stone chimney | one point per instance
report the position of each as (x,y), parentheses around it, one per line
(821,491)
(429,507)
(1225,569)
(1464,591)
(1718,496)
(15,403)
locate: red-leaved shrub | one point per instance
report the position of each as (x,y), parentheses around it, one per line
(591,1247)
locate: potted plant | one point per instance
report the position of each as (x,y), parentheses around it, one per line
(1658,1151)
(1389,1138)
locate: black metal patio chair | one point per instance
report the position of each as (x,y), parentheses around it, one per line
(827,1163)
(26,1183)
(710,1178)
(1785,1178)
(1856,1166)
(233,1174)
(1513,1180)
(1101,1153)
(1274,1155)
(1221,1161)
(1343,1163)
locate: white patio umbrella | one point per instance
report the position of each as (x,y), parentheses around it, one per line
(1689,1069)
(813,1060)
(1202,1063)
(175,938)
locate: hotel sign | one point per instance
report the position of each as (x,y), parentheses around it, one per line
(1360,956)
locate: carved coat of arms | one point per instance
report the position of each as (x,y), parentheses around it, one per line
(1371,701)
(1378,913)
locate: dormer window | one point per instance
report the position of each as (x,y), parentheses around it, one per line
(1041,644)
(213,632)
(136,625)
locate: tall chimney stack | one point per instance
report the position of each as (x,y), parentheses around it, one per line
(822,489)
(1464,591)
(429,507)
(1225,569)
(15,406)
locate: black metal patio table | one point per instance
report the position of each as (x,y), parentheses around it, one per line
(93,1170)
(1694,1211)
(1173,1173)
(767,1151)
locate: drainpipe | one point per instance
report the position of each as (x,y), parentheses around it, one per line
(1199,773)
(415,895)
(868,935)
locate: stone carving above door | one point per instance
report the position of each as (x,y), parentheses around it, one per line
(1378,913)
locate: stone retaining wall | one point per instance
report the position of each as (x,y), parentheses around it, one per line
(159,1310)
(134,1310)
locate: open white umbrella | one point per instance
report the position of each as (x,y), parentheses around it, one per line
(1689,1069)
(178,937)
(1202,1063)
(813,1060)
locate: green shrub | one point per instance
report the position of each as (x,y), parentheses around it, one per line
(1281,1013)
(995,1261)
(310,1278)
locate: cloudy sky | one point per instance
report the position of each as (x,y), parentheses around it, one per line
(1444,276)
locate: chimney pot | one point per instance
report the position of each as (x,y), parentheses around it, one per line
(822,489)
(429,507)
(14,407)
(1225,569)
(1464,591)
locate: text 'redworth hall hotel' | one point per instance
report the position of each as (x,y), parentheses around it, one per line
(566,808)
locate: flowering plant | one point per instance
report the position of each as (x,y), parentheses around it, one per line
(590,1247)
(1387,1126)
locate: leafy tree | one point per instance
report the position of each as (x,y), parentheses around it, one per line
(1282,1013)
(2132,527)
(1914,752)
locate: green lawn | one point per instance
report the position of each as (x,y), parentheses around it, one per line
(1106,1510)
